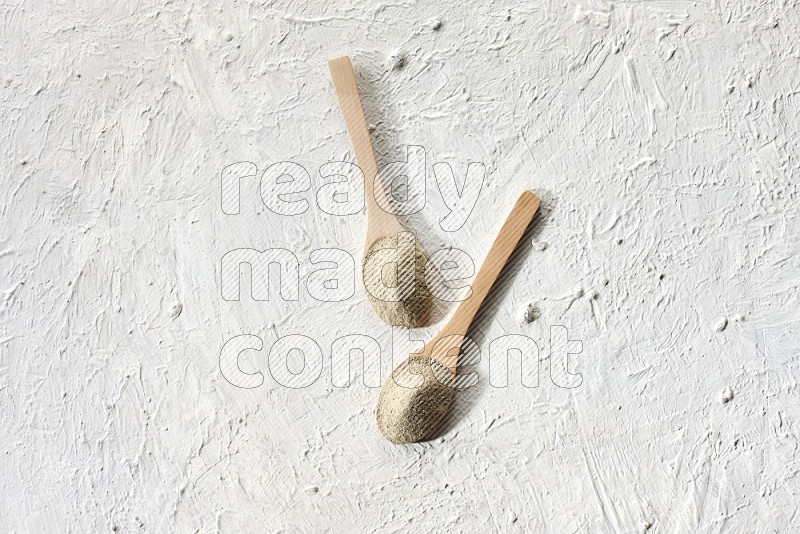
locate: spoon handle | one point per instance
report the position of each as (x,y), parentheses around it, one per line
(517,221)
(344,82)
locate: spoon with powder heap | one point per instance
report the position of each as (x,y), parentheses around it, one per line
(393,265)
(415,399)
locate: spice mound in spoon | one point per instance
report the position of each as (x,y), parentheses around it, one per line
(408,414)
(394,277)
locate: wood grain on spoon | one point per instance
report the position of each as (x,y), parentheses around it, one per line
(445,346)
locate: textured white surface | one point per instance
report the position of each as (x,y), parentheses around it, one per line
(662,136)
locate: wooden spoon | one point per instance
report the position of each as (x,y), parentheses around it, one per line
(407,414)
(414,302)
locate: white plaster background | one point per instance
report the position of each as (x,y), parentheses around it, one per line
(662,136)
